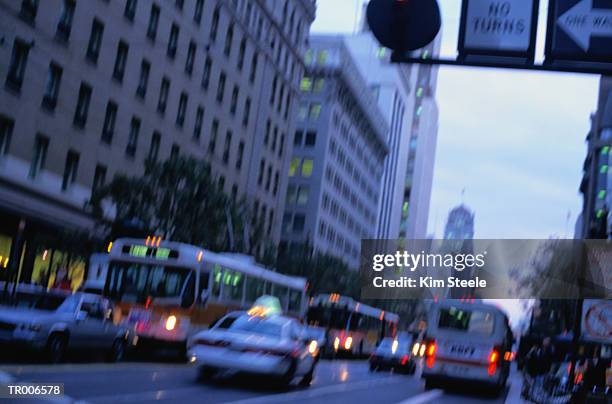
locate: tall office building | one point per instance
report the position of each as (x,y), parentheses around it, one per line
(406,96)
(460,224)
(339,149)
(93,88)
(596,186)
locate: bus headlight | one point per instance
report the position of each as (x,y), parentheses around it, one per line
(170,323)
(415,349)
(348,342)
(336,343)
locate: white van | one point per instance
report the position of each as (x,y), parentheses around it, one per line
(467,341)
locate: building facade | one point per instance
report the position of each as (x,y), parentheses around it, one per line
(339,149)
(596,186)
(91,89)
(460,224)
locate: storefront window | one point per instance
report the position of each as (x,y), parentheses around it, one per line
(5,251)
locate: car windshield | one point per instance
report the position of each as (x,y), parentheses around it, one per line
(257,325)
(473,321)
(39,301)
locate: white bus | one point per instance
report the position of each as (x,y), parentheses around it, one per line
(168,290)
(467,341)
(352,328)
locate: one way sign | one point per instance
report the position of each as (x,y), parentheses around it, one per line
(580,30)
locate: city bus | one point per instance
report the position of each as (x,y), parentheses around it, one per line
(167,290)
(352,328)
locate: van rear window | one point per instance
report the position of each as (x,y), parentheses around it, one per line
(473,321)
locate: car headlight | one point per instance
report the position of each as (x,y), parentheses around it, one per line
(170,323)
(348,342)
(336,343)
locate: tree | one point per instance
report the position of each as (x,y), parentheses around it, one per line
(180,200)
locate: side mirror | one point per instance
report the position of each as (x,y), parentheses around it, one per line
(81,315)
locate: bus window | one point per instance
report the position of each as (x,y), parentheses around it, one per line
(255,288)
(476,321)
(189,292)
(295,300)
(232,285)
(217,278)
(203,292)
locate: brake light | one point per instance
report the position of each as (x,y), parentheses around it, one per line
(431,349)
(405,359)
(493,359)
(430,353)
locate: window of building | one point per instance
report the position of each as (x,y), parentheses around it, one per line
(322,56)
(229,37)
(199,119)
(173,41)
(262,165)
(108,128)
(19,59)
(315,111)
(82,108)
(64,25)
(132,144)
(54,77)
(179,4)
(221,87)
(143,80)
(269,177)
(175,151)
(302,195)
(234,192)
(307,165)
(206,73)
(99,178)
(214,25)
(247,112)
(154,148)
(287,106)
(299,220)
(120,61)
(308,57)
(293,166)
(153,22)
(41,144)
(164,89)
(273,93)
(276,179)
(291,194)
(182,109)
(130,9)
(212,143)
(240,155)
(267,134)
(282,145)
(319,85)
(311,138)
(227,147)
(253,72)
(241,52)
(274,138)
(306,84)
(28,11)
(234,100)
(197,14)
(287,222)
(95,40)
(6,130)
(70,169)
(191,52)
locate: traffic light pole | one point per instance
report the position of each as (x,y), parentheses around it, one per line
(500,63)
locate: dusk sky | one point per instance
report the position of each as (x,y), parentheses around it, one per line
(514,140)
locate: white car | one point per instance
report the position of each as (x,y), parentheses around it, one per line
(255,344)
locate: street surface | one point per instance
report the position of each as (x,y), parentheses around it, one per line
(339,381)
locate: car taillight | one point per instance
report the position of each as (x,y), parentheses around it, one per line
(405,359)
(430,353)
(493,360)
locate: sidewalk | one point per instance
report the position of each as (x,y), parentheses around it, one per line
(515,382)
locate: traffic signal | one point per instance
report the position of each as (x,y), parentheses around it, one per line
(404,25)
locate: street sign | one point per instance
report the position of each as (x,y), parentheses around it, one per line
(498,28)
(580,30)
(597,320)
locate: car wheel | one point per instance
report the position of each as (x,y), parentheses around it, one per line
(56,348)
(307,379)
(117,352)
(430,384)
(206,373)
(288,377)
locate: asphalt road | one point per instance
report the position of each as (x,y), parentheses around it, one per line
(335,382)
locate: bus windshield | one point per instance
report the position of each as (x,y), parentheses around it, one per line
(476,321)
(131,282)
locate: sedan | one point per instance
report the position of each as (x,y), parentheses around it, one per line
(393,354)
(254,344)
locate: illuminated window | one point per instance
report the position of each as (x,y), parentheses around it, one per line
(308,57)
(604,169)
(322,57)
(419,110)
(319,84)
(302,196)
(380,53)
(306,84)
(315,111)
(293,166)
(302,112)
(307,165)
(605,150)
(601,194)
(419,92)
(425,54)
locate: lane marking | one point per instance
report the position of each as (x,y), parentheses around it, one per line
(423,397)
(317,392)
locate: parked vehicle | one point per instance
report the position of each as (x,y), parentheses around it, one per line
(254,342)
(393,354)
(467,342)
(57,322)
